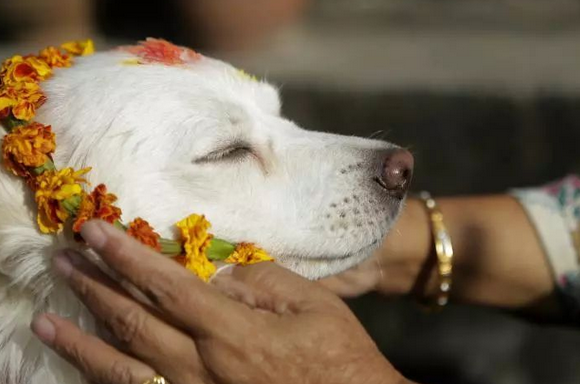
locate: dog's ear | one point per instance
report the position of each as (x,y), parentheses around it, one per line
(268,98)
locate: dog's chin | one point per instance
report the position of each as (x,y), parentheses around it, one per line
(320,267)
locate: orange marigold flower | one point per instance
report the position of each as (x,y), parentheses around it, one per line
(55,58)
(85,212)
(22,99)
(142,231)
(104,208)
(196,240)
(27,146)
(24,69)
(162,52)
(53,189)
(79,48)
(248,254)
(97,205)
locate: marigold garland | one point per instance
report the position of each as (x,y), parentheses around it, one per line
(79,48)
(21,99)
(24,69)
(196,240)
(27,146)
(55,57)
(141,230)
(96,205)
(59,194)
(248,254)
(54,189)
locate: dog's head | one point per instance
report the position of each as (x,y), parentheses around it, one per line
(203,137)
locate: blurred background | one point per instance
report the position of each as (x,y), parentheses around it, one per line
(486,93)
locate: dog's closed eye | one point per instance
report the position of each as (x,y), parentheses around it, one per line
(234,152)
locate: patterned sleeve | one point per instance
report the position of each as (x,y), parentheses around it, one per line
(554,210)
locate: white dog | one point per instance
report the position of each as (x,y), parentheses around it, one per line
(171,140)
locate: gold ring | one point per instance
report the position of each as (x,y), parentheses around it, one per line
(158,379)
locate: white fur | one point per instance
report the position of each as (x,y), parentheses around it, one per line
(308,198)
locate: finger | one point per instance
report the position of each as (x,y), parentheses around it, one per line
(251,296)
(272,286)
(175,291)
(335,284)
(273,278)
(134,326)
(98,361)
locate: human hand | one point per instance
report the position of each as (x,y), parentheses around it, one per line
(258,324)
(395,266)
(358,280)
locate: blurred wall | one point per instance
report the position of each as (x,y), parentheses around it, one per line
(485,94)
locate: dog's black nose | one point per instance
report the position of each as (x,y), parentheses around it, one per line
(397,172)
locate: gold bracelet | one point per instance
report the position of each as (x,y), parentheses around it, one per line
(443,249)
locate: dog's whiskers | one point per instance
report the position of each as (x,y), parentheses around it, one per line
(379,135)
(376,134)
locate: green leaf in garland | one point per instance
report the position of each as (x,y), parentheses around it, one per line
(170,247)
(219,250)
(48,166)
(11,122)
(72,204)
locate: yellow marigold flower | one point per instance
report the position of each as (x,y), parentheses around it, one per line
(24,69)
(248,254)
(79,48)
(196,240)
(27,146)
(22,99)
(53,188)
(55,58)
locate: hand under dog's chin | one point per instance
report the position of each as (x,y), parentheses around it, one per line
(314,268)
(323,264)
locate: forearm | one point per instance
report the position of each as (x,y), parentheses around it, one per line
(498,258)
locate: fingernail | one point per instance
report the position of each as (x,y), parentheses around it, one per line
(44,329)
(94,234)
